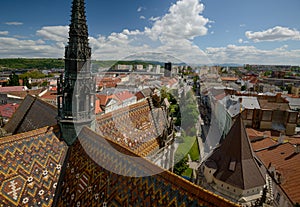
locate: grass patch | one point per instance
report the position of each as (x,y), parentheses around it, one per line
(188,172)
(186,145)
(189,146)
(194,152)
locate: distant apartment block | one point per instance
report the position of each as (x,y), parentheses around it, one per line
(295,90)
(138,67)
(123,67)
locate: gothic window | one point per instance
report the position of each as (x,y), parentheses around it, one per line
(84,99)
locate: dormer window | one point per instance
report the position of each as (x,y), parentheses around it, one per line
(232,165)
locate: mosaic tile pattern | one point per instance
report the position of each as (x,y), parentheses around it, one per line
(85,183)
(134,127)
(32,114)
(30,166)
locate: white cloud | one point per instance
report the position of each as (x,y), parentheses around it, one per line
(142,17)
(13,47)
(54,33)
(172,34)
(277,33)
(183,21)
(140,9)
(253,55)
(242,25)
(154,19)
(4,32)
(14,23)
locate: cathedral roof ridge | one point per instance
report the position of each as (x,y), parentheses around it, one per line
(169,176)
(24,135)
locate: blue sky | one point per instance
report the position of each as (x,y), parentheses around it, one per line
(193,31)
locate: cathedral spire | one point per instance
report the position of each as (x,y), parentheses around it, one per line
(76,88)
(78,47)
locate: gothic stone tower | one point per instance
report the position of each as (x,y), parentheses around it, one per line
(76,89)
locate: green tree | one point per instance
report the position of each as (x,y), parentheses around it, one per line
(13,80)
(26,82)
(181,164)
(35,74)
(189,111)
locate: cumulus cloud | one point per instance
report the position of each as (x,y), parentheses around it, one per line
(277,33)
(252,55)
(183,21)
(13,47)
(4,32)
(14,23)
(54,33)
(172,34)
(142,17)
(154,19)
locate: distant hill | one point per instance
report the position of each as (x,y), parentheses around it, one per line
(24,63)
(50,63)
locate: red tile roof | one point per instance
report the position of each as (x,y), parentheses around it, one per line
(262,144)
(23,94)
(254,134)
(122,96)
(8,110)
(50,95)
(287,163)
(229,78)
(12,88)
(105,98)
(109,82)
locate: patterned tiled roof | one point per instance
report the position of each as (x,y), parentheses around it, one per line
(89,183)
(32,113)
(133,127)
(30,167)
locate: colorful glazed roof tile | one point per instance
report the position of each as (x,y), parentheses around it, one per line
(133,127)
(32,113)
(86,182)
(30,167)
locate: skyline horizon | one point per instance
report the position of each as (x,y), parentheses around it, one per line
(209,32)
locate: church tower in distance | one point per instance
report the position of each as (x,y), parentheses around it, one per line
(76,88)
